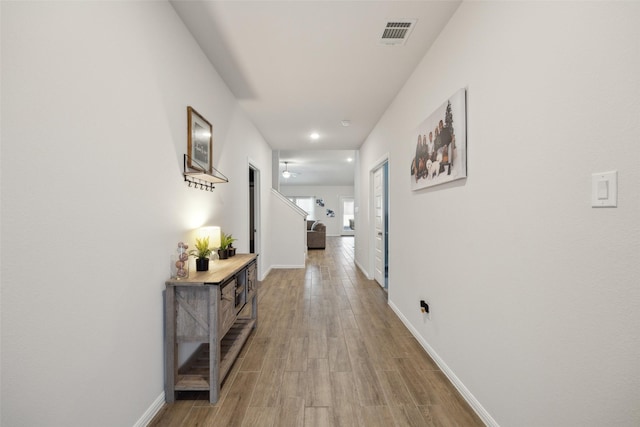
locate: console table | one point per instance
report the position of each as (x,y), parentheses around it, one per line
(205,308)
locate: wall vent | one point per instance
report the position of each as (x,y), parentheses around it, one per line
(397,32)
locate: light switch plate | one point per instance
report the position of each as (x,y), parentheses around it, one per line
(604,189)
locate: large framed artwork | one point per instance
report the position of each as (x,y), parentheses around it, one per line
(200,141)
(441,145)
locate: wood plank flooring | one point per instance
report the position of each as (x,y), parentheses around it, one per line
(328,351)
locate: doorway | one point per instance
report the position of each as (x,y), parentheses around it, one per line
(347,215)
(254,209)
(380,221)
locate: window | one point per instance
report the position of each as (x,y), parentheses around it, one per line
(348,214)
(303,202)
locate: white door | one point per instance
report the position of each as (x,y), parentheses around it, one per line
(379,231)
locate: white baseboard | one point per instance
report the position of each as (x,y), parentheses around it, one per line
(363,270)
(464,391)
(264,275)
(286,266)
(151,412)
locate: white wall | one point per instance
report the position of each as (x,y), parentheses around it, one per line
(245,145)
(331,196)
(535,303)
(93,203)
(288,226)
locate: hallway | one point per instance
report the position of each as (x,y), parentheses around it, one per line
(328,351)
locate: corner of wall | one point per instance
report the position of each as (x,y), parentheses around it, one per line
(464,391)
(151,411)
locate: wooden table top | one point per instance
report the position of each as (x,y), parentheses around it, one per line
(219,271)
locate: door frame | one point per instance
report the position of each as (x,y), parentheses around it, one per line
(341,201)
(372,216)
(252,165)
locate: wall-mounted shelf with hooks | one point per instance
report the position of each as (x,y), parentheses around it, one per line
(199,177)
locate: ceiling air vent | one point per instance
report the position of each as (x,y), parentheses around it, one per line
(397,32)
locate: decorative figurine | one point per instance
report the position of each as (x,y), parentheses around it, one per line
(182,263)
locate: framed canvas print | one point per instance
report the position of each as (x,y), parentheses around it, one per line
(440,153)
(200,141)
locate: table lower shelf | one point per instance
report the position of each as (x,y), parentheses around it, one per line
(194,375)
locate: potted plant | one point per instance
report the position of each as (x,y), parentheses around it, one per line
(202,252)
(231,250)
(226,241)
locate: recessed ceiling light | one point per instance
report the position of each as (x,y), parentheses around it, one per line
(349,159)
(314,136)
(346,123)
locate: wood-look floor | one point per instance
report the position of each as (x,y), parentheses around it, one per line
(328,351)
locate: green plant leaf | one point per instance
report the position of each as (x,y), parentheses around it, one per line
(202,249)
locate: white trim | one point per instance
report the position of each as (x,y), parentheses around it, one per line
(381,161)
(276,267)
(372,215)
(151,412)
(257,236)
(344,232)
(289,203)
(464,391)
(264,276)
(364,271)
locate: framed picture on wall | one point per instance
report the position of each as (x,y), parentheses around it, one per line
(200,141)
(440,153)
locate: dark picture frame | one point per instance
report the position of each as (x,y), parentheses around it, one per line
(200,141)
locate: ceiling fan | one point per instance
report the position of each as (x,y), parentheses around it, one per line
(286,174)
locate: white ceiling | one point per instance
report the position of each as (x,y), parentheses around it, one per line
(298,67)
(322,167)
